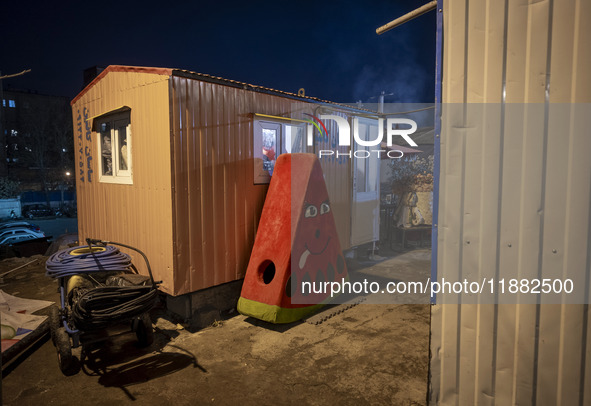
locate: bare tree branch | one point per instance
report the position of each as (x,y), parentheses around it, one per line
(15,74)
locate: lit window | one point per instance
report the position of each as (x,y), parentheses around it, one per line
(11,103)
(271,139)
(3,102)
(114,147)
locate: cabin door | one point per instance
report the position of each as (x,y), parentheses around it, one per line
(365,215)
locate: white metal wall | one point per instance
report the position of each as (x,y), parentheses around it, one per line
(515,197)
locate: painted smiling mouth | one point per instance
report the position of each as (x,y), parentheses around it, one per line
(307,253)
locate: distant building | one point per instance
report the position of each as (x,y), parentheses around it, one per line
(36,134)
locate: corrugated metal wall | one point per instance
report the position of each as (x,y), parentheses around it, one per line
(216,203)
(120,212)
(515,198)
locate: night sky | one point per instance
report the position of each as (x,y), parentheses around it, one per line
(329,48)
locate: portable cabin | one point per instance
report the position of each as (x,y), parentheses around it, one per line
(177,164)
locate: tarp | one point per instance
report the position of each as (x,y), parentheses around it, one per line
(17,318)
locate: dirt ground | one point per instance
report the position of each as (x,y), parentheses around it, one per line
(370,354)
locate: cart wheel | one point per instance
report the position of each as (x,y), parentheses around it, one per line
(144,330)
(67,362)
(54,321)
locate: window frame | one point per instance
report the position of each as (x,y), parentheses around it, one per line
(115,119)
(280,126)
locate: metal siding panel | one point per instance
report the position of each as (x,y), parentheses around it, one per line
(479,190)
(454,52)
(516,50)
(451,170)
(484,355)
(505,353)
(231,151)
(576,256)
(571,354)
(220,168)
(494,49)
(536,53)
(560,259)
(485,236)
(436,351)
(503,357)
(450,356)
(508,243)
(138,214)
(469,252)
(581,65)
(475,59)
(448,258)
(562,47)
(549,357)
(472,185)
(523,355)
(208,172)
(532,168)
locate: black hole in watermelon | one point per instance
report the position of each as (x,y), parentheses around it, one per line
(267,271)
(340,264)
(288,288)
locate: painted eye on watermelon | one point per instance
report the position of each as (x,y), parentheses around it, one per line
(324,208)
(311,211)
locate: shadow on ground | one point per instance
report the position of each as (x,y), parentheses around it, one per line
(118,361)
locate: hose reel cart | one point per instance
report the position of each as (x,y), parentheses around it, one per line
(99,287)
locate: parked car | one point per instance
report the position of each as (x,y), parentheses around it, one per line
(38,210)
(16,224)
(16,234)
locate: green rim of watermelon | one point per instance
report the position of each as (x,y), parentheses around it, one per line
(274,313)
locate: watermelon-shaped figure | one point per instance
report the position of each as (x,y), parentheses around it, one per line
(297,251)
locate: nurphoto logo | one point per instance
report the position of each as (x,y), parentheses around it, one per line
(344,138)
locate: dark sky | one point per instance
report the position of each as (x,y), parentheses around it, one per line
(329,48)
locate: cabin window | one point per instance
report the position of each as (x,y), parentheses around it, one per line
(271,139)
(114,147)
(294,138)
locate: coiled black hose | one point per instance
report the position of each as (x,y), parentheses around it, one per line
(101,306)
